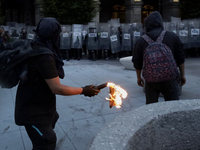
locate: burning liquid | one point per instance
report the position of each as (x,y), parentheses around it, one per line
(116,95)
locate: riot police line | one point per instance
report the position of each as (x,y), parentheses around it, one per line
(102,40)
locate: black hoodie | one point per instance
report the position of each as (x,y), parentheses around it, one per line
(154,25)
(47,35)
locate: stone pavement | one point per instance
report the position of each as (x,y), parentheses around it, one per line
(81,118)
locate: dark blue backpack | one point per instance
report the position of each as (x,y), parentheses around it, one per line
(158,61)
(13,58)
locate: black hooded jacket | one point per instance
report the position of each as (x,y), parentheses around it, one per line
(35,103)
(47,35)
(154,25)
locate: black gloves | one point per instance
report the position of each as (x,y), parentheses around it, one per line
(90,90)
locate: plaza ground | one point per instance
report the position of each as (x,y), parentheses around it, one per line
(81,118)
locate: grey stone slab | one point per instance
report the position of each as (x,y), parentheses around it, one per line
(103,73)
(11,141)
(63,141)
(5,94)
(135,92)
(190,93)
(7,123)
(82,132)
(26,140)
(78,100)
(130,104)
(77,112)
(117,133)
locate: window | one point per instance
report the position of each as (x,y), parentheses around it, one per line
(118,11)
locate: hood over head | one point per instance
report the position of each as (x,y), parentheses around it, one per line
(153,24)
(48,34)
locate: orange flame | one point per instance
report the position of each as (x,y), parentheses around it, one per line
(116,95)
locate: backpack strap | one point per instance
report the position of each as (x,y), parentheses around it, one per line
(147,39)
(161,36)
(159,39)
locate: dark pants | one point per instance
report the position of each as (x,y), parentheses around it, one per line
(43,137)
(169,89)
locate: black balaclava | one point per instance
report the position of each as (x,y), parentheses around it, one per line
(153,24)
(47,34)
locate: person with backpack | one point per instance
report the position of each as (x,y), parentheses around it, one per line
(35,105)
(158,58)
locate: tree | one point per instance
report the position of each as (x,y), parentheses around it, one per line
(190,9)
(69,11)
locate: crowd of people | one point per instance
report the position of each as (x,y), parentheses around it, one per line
(78,51)
(35,105)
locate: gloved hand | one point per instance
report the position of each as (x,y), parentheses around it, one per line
(89,90)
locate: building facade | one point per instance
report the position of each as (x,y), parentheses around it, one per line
(128,11)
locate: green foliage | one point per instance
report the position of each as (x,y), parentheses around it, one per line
(69,11)
(190,9)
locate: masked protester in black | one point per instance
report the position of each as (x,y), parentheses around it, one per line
(35,100)
(170,89)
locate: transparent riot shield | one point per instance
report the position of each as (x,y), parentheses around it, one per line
(126,37)
(65,37)
(22,28)
(114,35)
(13,30)
(84,39)
(23,33)
(103,36)
(183,33)
(92,39)
(10,26)
(171,26)
(84,32)
(76,36)
(6,28)
(136,33)
(194,27)
(14,33)
(30,32)
(115,39)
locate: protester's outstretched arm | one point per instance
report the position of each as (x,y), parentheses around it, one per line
(60,89)
(182,74)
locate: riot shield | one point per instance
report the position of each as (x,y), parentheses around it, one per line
(194,27)
(22,29)
(84,36)
(13,30)
(136,30)
(84,32)
(92,40)
(103,36)
(6,28)
(65,37)
(76,36)
(126,37)
(115,38)
(23,33)
(183,33)
(171,26)
(84,39)
(14,34)
(30,32)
